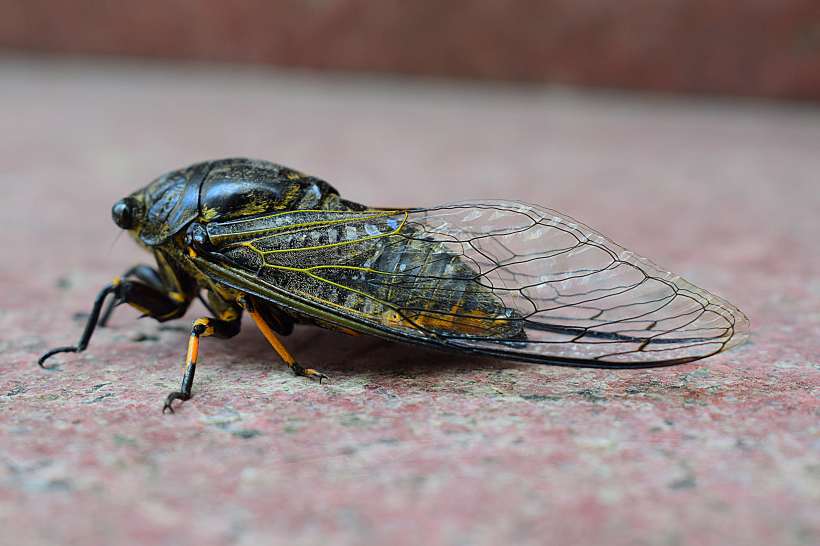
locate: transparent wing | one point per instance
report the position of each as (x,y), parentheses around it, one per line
(505,279)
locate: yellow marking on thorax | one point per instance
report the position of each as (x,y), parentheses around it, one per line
(208,214)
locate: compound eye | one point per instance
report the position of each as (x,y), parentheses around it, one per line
(123,213)
(197,237)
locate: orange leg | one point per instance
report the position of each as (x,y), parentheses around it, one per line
(248,304)
(203,327)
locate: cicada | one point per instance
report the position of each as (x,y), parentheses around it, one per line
(501,279)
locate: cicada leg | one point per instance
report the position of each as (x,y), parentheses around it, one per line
(204,327)
(150,276)
(89,327)
(150,300)
(256,312)
(142,273)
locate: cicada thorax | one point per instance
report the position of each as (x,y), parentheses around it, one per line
(246,188)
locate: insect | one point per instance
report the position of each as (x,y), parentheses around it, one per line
(491,278)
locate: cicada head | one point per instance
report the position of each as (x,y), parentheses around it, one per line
(163,207)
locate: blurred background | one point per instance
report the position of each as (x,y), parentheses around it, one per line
(764,48)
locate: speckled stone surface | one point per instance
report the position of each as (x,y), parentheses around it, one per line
(405,446)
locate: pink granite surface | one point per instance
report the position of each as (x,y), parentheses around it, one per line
(405,446)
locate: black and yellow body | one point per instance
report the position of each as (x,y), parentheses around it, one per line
(162,216)
(493,278)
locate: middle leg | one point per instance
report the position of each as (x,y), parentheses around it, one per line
(204,327)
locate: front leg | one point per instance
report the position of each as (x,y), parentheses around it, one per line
(153,302)
(140,272)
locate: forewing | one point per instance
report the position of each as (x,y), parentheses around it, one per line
(504,279)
